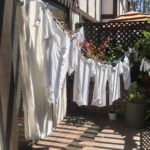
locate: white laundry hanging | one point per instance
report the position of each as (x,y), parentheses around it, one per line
(126,73)
(84,70)
(56,60)
(114,82)
(35,38)
(100,82)
(145,65)
(75,47)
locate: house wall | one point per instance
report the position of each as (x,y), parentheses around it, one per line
(107,7)
(83,5)
(91,7)
(113,8)
(75,19)
(98,10)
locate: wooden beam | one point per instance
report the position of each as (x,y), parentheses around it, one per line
(85,15)
(108,16)
(114,8)
(6,71)
(1,16)
(87,6)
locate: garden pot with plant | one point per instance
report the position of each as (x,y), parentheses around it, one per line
(112,115)
(136,108)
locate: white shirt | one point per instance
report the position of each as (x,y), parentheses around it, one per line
(57,52)
(114,82)
(84,70)
(126,73)
(75,47)
(101,78)
(145,65)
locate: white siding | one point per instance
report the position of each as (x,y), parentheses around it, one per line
(98,10)
(107,7)
(92,8)
(83,5)
(75,19)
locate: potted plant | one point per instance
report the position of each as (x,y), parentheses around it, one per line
(112,115)
(136,107)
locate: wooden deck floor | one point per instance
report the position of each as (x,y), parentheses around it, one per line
(79,133)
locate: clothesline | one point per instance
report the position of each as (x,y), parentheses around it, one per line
(121,58)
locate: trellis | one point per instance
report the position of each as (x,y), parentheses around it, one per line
(124,33)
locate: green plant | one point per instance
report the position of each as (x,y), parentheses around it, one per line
(143,44)
(136,94)
(121,111)
(114,52)
(105,51)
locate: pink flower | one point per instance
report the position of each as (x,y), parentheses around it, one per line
(87,45)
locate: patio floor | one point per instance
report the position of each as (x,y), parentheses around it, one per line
(81,133)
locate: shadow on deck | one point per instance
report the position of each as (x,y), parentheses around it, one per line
(94,133)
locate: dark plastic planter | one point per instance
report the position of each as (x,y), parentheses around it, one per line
(135,115)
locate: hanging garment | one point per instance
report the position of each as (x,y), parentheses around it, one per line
(145,66)
(56,60)
(126,73)
(35,38)
(37,111)
(114,82)
(101,78)
(75,47)
(84,70)
(59,109)
(135,53)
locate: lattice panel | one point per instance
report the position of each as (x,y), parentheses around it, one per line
(145,140)
(124,33)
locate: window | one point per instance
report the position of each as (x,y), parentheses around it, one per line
(59,12)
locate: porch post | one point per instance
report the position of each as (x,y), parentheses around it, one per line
(7,79)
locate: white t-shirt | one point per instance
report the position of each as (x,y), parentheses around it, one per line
(114,82)
(84,70)
(101,78)
(75,47)
(126,73)
(57,52)
(145,65)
